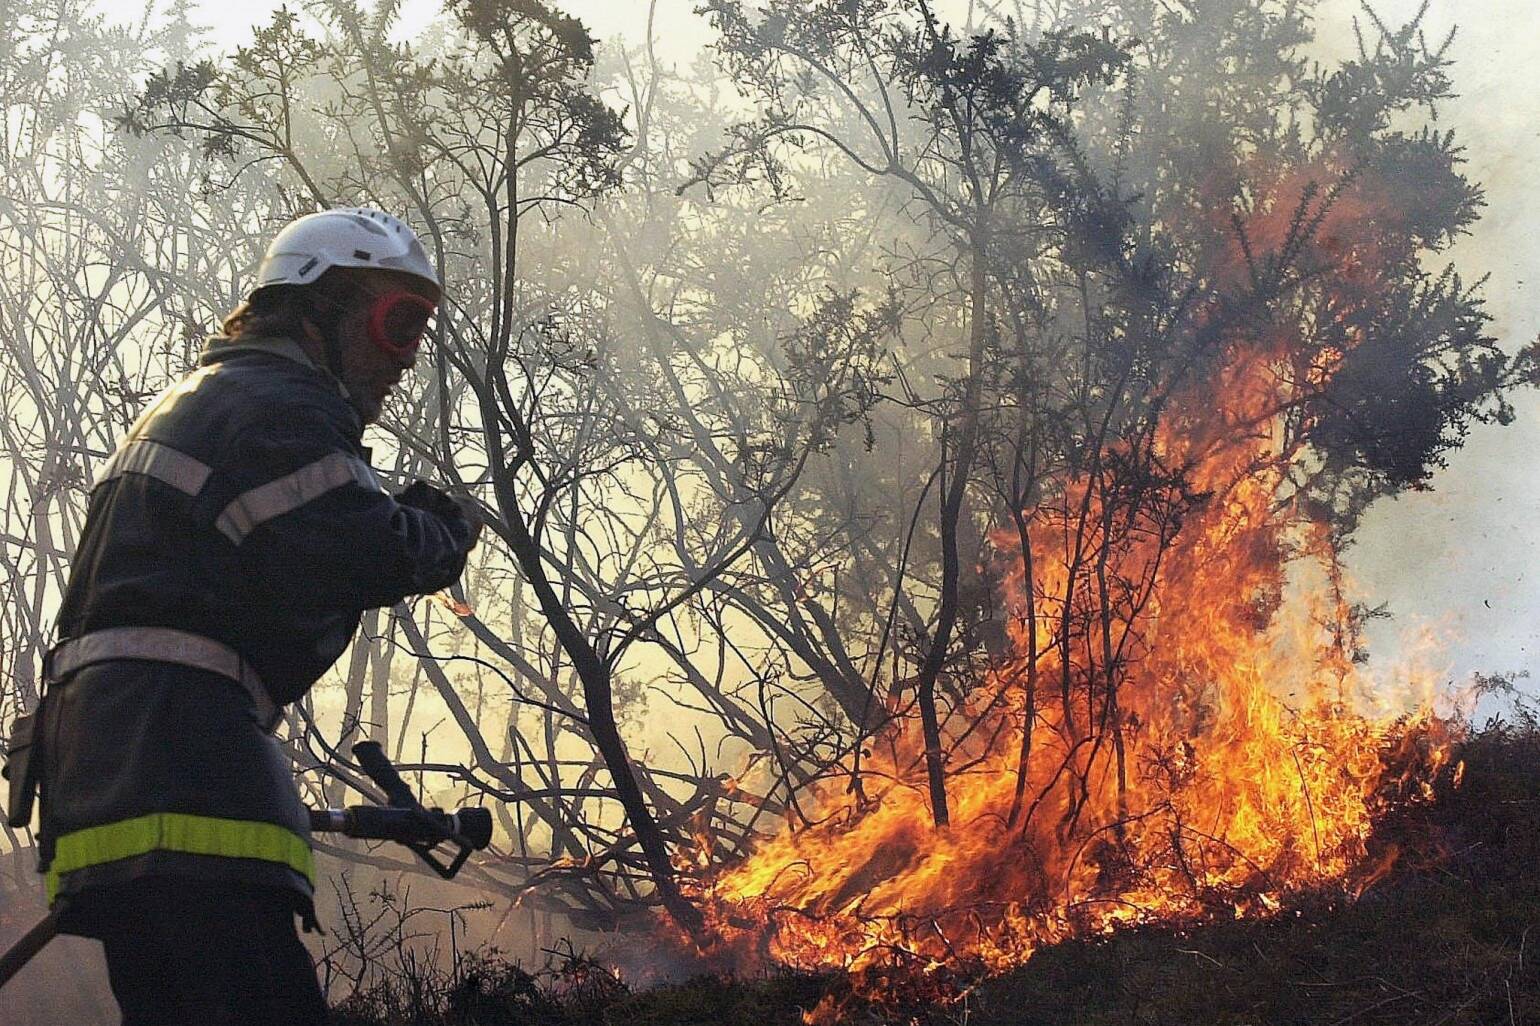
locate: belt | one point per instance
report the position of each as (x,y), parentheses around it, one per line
(163,645)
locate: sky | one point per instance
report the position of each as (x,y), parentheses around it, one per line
(1459,565)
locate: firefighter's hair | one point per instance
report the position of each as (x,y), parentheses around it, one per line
(279,311)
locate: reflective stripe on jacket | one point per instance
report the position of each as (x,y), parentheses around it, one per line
(179,833)
(240,508)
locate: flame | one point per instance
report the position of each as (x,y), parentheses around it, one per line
(1202,754)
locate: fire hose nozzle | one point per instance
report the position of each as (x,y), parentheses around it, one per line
(475,825)
(419,829)
(469,827)
(405,820)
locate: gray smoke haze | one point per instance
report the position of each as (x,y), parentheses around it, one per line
(1461,559)
(1465,557)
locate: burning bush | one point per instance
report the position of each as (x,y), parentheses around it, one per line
(1191,367)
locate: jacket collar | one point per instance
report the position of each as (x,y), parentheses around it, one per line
(218,349)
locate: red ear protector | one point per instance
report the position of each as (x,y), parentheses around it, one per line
(397,321)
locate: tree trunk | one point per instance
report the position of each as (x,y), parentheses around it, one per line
(379,692)
(951,511)
(599,700)
(1029,716)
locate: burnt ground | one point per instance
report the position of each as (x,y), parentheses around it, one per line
(1444,940)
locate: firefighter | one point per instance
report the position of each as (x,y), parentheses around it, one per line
(231,544)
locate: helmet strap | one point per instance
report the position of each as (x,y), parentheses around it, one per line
(333,347)
(326,313)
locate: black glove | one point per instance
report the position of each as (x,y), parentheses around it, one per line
(423,496)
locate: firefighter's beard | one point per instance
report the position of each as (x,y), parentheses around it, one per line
(367,376)
(368,409)
(366,403)
(356,390)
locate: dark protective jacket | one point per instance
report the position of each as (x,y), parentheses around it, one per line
(240,509)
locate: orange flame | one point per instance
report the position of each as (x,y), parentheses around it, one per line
(1201,753)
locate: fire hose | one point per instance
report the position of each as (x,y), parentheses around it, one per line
(403,820)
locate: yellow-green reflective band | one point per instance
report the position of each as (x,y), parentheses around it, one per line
(178,831)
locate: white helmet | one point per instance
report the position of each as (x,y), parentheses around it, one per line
(345,237)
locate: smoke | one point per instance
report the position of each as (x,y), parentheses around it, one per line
(1453,559)
(1459,558)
